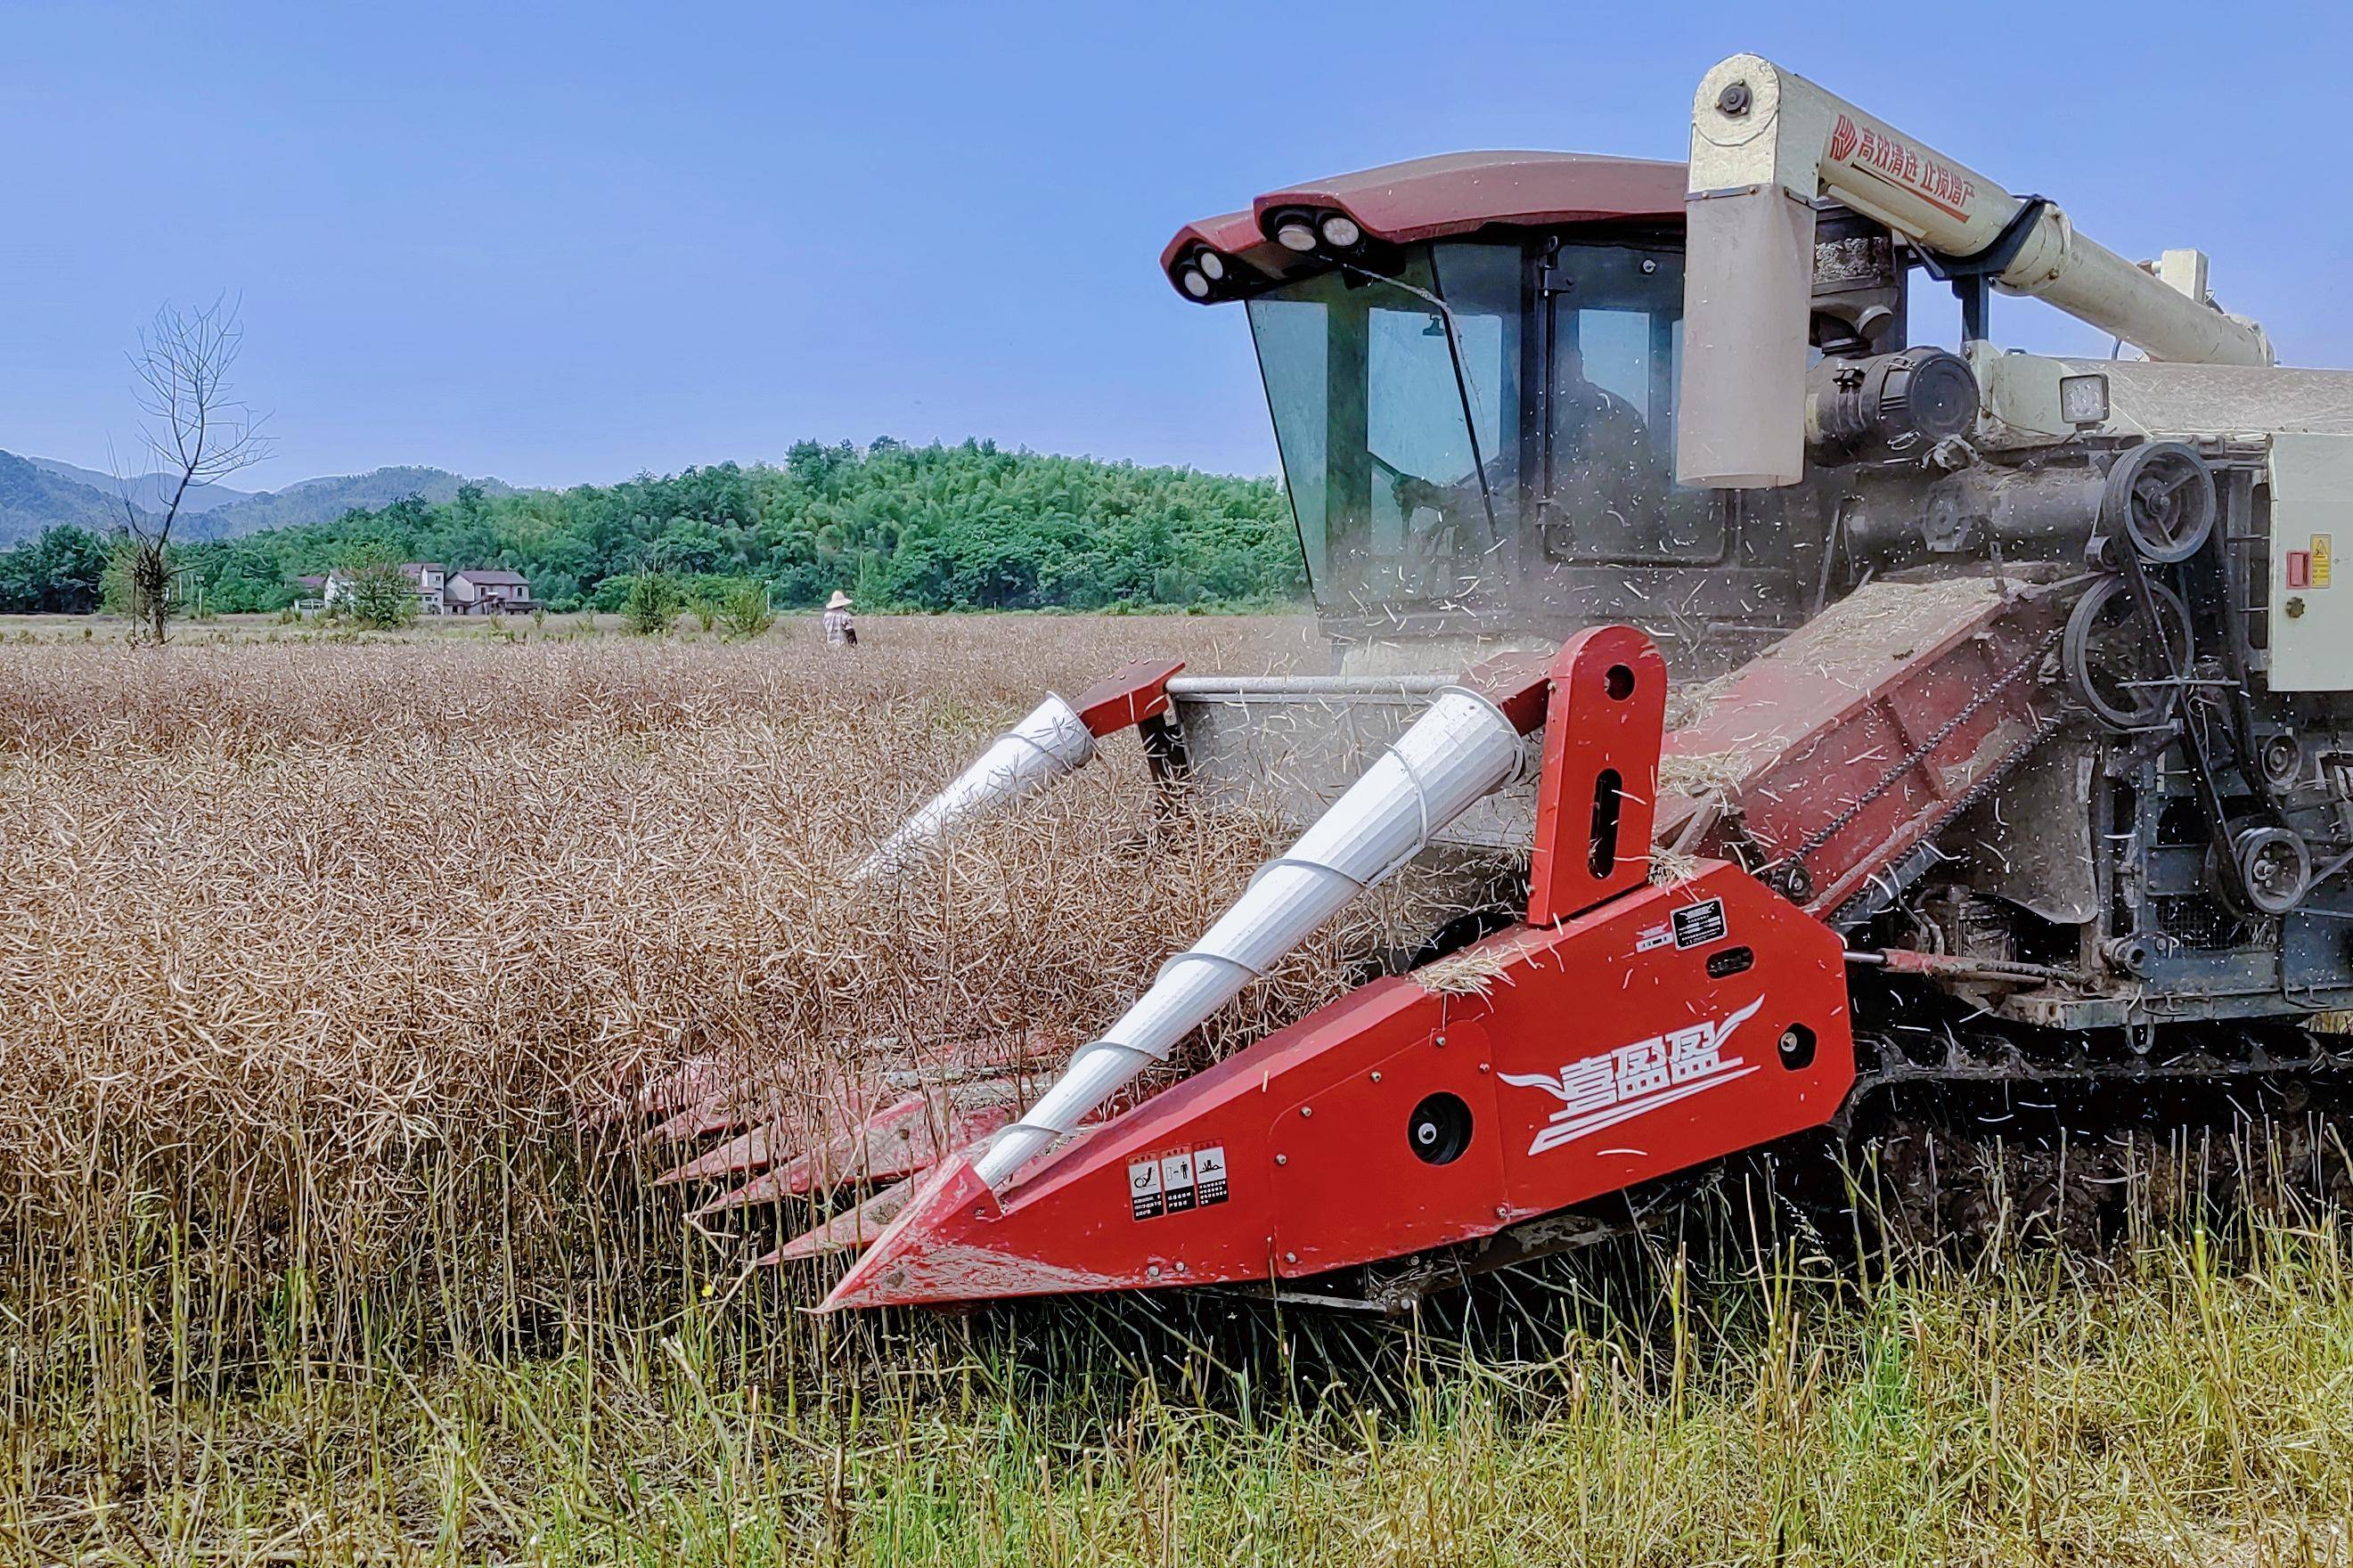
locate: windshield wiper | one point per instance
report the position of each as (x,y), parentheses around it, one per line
(1461,390)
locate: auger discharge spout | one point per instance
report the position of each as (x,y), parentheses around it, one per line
(1464,746)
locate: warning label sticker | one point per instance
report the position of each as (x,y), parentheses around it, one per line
(1174,1182)
(1698,925)
(2323,546)
(1209,1174)
(1143,1189)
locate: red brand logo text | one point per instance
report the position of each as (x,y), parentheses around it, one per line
(1895,163)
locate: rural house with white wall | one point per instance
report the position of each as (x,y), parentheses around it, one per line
(427,579)
(488,593)
(475,591)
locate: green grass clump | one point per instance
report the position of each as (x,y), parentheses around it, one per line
(2165,1406)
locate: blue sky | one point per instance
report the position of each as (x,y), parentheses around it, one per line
(569,243)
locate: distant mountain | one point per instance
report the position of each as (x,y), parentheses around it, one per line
(325,499)
(32,498)
(149,493)
(41,492)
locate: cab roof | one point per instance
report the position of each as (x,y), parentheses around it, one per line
(1431,198)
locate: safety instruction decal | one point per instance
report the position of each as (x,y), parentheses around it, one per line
(1209,1176)
(2323,547)
(1177,1181)
(1143,1189)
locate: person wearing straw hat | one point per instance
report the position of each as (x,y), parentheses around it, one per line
(839,632)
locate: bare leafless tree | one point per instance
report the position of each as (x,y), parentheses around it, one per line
(191,432)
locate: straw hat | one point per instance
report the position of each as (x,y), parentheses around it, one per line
(840,601)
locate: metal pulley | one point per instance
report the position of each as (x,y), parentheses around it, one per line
(2159,502)
(2271,869)
(2127,645)
(2117,666)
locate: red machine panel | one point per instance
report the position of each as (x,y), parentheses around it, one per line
(1603,721)
(1666,1029)
(1669,1027)
(1707,1016)
(1385,1145)
(1848,743)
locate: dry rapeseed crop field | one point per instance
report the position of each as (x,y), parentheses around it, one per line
(318,960)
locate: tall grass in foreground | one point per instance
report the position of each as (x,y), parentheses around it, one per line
(315,964)
(2174,1408)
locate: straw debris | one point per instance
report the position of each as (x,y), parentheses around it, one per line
(1473,972)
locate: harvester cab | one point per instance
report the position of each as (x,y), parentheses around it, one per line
(1473,363)
(2007,740)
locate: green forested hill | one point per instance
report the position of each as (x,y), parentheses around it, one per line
(150,492)
(938,527)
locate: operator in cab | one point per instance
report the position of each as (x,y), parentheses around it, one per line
(1607,481)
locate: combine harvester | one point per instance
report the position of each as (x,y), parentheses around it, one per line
(2011,697)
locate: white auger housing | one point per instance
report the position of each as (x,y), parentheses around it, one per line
(1050,743)
(1460,750)
(1765,144)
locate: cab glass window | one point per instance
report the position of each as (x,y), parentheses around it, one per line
(1607,493)
(1396,401)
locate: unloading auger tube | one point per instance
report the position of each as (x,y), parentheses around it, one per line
(1765,144)
(1461,749)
